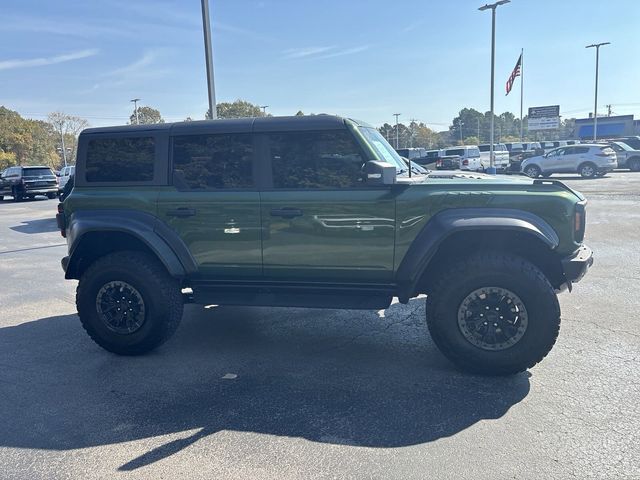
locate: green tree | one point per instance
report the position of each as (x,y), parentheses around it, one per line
(237,109)
(299,113)
(146,115)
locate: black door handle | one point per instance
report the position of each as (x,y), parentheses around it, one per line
(286,212)
(181,212)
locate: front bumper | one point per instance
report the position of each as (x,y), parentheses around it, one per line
(40,190)
(575,266)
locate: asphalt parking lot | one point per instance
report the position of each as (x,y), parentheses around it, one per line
(271,393)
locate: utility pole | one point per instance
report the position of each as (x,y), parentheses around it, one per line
(135,111)
(609,110)
(412,124)
(595,103)
(478,129)
(64,150)
(397,115)
(460,124)
(492,6)
(206,28)
(264,109)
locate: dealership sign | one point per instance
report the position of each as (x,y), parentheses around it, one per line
(544,118)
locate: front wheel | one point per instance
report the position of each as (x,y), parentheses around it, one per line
(128,303)
(494,314)
(532,171)
(16,194)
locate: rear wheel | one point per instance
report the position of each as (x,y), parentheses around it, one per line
(128,303)
(494,314)
(587,170)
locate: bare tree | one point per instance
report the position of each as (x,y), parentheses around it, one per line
(68,127)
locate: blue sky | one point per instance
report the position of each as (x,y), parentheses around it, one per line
(364,59)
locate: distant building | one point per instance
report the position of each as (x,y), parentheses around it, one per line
(608,127)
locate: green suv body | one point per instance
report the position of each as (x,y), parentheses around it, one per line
(315,211)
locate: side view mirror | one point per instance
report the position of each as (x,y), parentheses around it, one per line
(379,173)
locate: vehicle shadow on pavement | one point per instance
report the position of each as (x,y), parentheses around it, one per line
(348,378)
(42,225)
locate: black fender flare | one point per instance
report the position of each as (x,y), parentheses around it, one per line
(157,236)
(447,222)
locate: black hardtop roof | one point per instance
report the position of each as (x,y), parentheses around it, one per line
(235,125)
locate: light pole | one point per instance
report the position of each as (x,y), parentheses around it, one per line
(492,6)
(264,109)
(206,28)
(460,124)
(595,103)
(397,115)
(135,109)
(478,130)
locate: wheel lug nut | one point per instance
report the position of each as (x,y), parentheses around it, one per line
(501,317)
(497,309)
(487,308)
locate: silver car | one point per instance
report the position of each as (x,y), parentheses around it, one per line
(589,160)
(627,156)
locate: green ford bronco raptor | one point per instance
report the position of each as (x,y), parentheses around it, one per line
(313,211)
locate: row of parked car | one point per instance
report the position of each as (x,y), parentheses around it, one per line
(535,158)
(24,182)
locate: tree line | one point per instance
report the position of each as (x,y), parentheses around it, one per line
(48,142)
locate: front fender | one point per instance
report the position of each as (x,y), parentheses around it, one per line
(447,222)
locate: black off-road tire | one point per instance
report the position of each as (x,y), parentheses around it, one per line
(493,270)
(160,292)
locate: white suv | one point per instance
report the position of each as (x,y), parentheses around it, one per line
(469,157)
(65,174)
(588,160)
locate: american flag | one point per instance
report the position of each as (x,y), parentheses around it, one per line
(514,74)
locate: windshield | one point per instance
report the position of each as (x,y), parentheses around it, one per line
(383,150)
(37,172)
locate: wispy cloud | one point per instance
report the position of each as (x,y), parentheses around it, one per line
(348,51)
(305,51)
(42,61)
(412,26)
(132,73)
(322,52)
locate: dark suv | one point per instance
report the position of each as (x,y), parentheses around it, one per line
(27,182)
(315,211)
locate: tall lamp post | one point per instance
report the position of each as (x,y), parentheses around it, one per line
(135,111)
(397,115)
(492,6)
(264,109)
(206,28)
(595,103)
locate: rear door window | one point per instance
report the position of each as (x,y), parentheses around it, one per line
(213,162)
(125,159)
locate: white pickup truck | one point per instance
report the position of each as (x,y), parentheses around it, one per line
(500,152)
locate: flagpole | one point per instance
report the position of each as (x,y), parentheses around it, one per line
(521,91)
